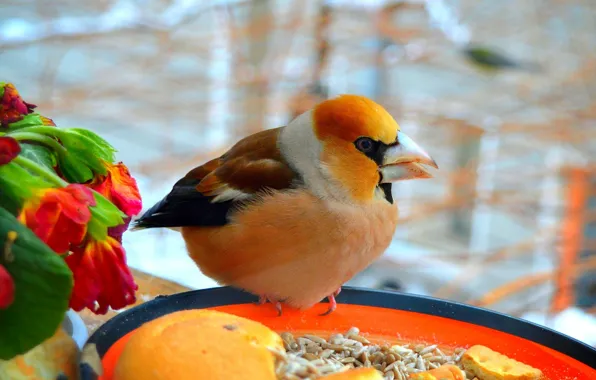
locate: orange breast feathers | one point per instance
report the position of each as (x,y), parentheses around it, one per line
(292,245)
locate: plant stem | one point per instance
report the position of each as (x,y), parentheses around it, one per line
(42,129)
(48,141)
(37,169)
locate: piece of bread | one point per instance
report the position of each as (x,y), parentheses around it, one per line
(199,344)
(487,364)
(444,372)
(355,374)
(46,361)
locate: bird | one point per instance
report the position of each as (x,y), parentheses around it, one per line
(490,61)
(290,214)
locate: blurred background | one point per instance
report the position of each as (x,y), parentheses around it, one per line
(508,223)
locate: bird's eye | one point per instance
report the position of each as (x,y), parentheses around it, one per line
(365,144)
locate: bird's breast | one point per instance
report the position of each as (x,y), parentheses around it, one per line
(292,245)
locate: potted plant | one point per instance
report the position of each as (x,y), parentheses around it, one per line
(64,204)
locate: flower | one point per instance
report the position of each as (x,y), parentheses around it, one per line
(6,288)
(120,188)
(117,231)
(47,121)
(9,149)
(12,107)
(101,277)
(59,216)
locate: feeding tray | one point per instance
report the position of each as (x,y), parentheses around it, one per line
(381,315)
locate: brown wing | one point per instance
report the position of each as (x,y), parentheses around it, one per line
(206,194)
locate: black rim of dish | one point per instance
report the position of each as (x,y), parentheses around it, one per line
(131,319)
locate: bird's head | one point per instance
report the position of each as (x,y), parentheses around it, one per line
(351,147)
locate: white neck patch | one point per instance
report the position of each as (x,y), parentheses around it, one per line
(302,149)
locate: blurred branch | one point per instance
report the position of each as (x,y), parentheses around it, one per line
(529,281)
(121,17)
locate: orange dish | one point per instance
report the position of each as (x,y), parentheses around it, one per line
(493,341)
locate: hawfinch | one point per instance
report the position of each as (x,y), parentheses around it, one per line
(290,214)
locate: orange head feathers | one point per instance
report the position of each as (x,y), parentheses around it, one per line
(349,117)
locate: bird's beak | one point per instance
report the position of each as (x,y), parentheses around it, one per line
(405,160)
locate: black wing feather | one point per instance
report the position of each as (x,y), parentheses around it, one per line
(185,206)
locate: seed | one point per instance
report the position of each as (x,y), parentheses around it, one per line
(326,353)
(420,364)
(336,339)
(390,367)
(315,338)
(348,342)
(428,349)
(391,358)
(308,357)
(313,349)
(418,347)
(360,339)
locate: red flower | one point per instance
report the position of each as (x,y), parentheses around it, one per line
(119,187)
(12,107)
(59,217)
(6,288)
(101,277)
(9,149)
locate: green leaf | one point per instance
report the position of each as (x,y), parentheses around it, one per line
(39,154)
(86,150)
(112,214)
(18,183)
(106,148)
(74,169)
(8,200)
(85,155)
(43,284)
(30,120)
(103,215)
(97,229)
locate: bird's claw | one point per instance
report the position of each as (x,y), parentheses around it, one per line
(264,299)
(278,308)
(332,303)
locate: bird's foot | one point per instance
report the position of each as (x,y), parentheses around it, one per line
(278,308)
(264,299)
(332,302)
